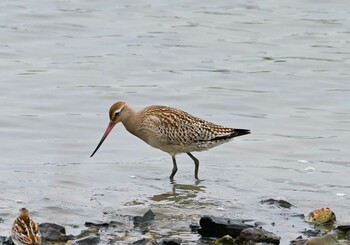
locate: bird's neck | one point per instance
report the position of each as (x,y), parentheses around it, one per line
(129,119)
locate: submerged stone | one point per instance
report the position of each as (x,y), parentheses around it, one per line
(90,240)
(171,241)
(59,228)
(90,224)
(6,240)
(343,228)
(311,233)
(194,227)
(343,232)
(218,227)
(93,230)
(54,233)
(145,219)
(225,240)
(278,203)
(257,235)
(298,241)
(328,239)
(301,216)
(144,241)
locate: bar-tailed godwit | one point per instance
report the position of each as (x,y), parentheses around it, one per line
(170,130)
(24,230)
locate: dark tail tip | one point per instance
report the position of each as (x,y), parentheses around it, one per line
(235,133)
(240,132)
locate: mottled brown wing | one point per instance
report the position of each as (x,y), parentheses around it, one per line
(179,127)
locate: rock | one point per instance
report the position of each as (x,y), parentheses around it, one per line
(257,235)
(144,241)
(87,232)
(259,224)
(171,241)
(90,240)
(298,241)
(54,233)
(321,216)
(90,224)
(6,240)
(194,227)
(311,233)
(218,227)
(225,240)
(343,228)
(328,239)
(2,238)
(146,219)
(301,216)
(343,232)
(114,224)
(44,226)
(278,203)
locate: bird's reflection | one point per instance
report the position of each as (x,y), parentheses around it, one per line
(180,193)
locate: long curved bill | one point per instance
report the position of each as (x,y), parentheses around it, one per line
(108,130)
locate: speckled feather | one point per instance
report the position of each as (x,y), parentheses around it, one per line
(25,230)
(173,130)
(174,126)
(170,130)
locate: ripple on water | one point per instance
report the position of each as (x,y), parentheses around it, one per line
(234,63)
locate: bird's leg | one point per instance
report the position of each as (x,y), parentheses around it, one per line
(173,172)
(196,164)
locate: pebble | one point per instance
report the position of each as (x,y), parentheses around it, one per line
(171,241)
(257,235)
(90,240)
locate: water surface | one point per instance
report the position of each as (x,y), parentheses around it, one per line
(278,68)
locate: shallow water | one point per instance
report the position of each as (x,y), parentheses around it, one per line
(279,69)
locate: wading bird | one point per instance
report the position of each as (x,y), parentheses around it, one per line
(24,230)
(170,130)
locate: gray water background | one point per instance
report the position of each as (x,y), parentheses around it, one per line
(279,68)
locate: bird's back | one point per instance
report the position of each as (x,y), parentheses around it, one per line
(175,131)
(25,231)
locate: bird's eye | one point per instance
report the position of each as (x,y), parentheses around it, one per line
(117,112)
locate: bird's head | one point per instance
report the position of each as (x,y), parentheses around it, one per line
(115,112)
(115,116)
(23,212)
